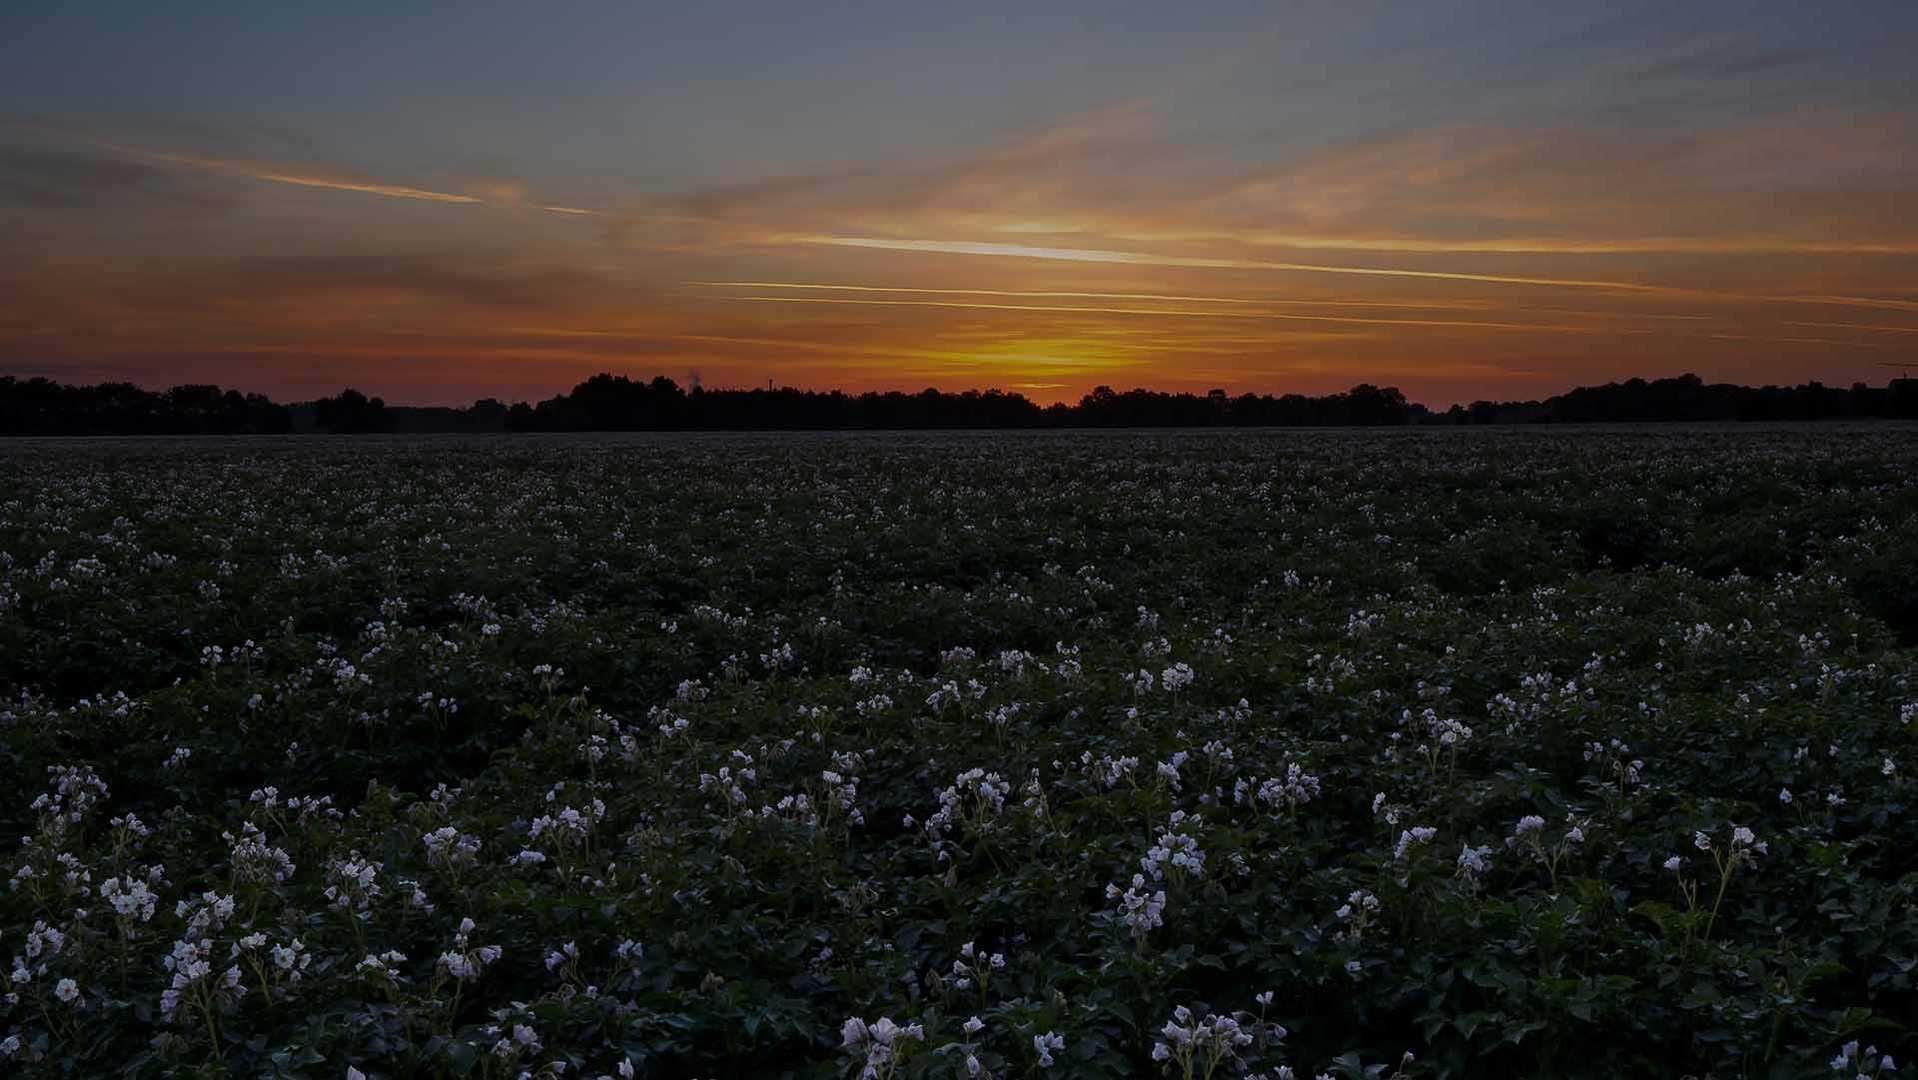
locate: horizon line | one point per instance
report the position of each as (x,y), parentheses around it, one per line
(1008,390)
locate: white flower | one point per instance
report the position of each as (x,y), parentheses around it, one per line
(1142,912)
(1177,850)
(291,958)
(130,898)
(1417,834)
(880,1040)
(562,955)
(1176,678)
(66,990)
(449,847)
(1045,1044)
(1845,1054)
(1472,861)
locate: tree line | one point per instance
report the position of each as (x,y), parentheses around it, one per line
(608,402)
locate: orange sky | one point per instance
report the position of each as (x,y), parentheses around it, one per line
(1481,252)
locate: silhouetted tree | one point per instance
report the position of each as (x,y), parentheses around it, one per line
(351,412)
(608,402)
(40,406)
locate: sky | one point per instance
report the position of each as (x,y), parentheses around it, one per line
(441,202)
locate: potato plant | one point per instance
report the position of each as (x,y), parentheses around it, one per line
(1211,754)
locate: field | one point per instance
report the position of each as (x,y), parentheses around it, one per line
(1491,753)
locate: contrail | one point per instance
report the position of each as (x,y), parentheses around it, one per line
(1877,327)
(1796,340)
(1468,305)
(1136,258)
(257,172)
(269,174)
(1855,301)
(1072,295)
(1178,312)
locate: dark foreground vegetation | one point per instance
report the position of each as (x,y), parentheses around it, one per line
(617,403)
(1500,753)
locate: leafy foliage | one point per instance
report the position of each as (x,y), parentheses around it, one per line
(1403,754)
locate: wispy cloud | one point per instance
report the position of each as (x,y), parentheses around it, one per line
(508,194)
(1532,245)
(1102,241)
(1171,312)
(1140,258)
(1878,328)
(1840,342)
(270,174)
(1720,57)
(58,179)
(1062,294)
(1855,301)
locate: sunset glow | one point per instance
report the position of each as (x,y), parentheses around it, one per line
(1260,199)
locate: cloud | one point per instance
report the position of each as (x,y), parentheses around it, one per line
(1138,258)
(1097,242)
(1855,301)
(1719,57)
(99,173)
(496,191)
(514,193)
(1537,245)
(1840,342)
(1877,328)
(208,299)
(301,177)
(1165,312)
(473,280)
(54,179)
(1815,182)
(1062,294)
(1777,186)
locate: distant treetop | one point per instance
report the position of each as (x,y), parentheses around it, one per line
(608,402)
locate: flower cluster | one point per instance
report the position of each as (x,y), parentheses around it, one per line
(1142,912)
(975,795)
(465,961)
(1199,1047)
(879,1044)
(449,848)
(1174,850)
